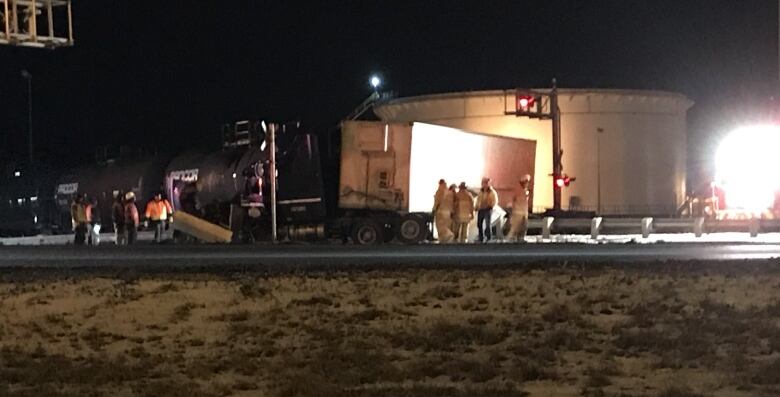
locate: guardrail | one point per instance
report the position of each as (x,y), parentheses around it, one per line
(647,226)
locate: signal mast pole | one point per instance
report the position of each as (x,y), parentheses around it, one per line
(272,169)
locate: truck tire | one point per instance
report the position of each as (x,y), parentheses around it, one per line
(367,232)
(412,229)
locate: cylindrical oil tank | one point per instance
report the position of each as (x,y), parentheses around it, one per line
(144,177)
(626,148)
(196,180)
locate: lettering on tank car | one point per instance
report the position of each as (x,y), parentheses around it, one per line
(190,175)
(67,188)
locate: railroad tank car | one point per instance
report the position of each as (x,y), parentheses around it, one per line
(207,184)
(144,177)
(230,187)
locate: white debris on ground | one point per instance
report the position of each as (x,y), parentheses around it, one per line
(765,238)
(66,239)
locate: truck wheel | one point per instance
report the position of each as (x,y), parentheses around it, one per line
(412,229)
(367,232)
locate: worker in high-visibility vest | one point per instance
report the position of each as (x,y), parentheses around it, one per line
(93,220)
(78,214)
(160,213)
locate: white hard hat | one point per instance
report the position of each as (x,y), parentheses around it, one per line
(129,196)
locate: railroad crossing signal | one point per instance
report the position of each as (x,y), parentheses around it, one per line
(543,105)
(564,180)
(529,105)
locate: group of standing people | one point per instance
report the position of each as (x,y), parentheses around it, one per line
(124,215)
(454,207)
(85,214)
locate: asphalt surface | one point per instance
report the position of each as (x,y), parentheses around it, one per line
(309,256)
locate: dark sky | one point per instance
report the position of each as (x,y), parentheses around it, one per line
(168,73)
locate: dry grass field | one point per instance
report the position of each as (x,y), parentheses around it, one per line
(667,332)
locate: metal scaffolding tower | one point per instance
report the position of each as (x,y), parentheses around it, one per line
(36,23)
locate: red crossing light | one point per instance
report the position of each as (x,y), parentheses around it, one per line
(563,181)
(525,103)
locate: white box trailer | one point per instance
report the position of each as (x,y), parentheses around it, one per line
(393,169)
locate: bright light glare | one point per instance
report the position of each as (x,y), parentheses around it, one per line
(524,102)
(375,81)
(746,163)
(441,152)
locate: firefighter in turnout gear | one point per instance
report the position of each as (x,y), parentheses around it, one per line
(519,219)
(443,203)
(464,212)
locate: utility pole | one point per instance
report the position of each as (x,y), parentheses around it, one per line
(272,170)
(599,132)
(27,76)
(556,143)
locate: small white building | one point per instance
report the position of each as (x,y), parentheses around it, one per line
(626,148)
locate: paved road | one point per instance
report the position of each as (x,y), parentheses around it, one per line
(302,256)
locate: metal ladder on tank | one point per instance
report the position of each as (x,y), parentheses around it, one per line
(367,104)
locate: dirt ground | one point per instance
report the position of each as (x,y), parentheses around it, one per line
(567,331)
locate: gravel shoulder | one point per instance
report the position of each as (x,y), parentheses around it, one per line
(564,330)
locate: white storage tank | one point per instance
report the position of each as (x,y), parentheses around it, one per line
(626,148)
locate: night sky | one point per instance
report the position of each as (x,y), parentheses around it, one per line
(168,73)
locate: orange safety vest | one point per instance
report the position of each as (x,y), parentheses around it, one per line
(158,210)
